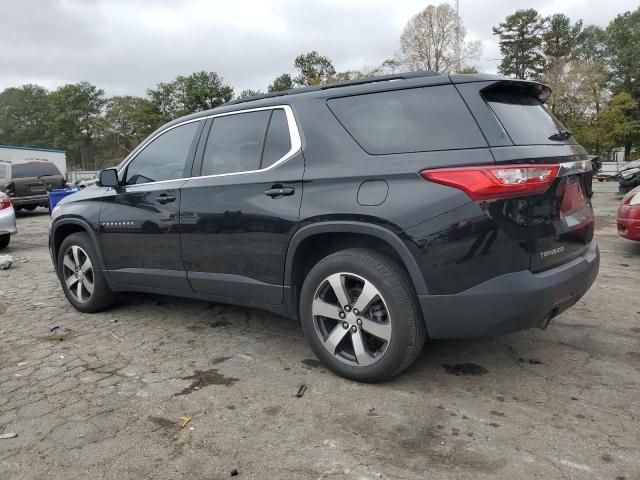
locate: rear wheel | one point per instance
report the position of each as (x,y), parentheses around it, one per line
(82,280)
(4,241)
(360,315)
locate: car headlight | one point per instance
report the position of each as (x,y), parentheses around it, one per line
(635,200)
(629,173)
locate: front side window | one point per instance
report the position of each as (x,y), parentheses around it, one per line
(235,143)
(164,158)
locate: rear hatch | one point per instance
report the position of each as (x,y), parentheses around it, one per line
(560,221)
(35,178)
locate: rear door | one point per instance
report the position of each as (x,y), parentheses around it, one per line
(560,221)
(35,178)
(241,208)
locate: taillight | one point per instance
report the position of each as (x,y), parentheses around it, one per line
(5,201)
(487,182)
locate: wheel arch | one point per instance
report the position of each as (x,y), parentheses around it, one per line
(65,227)
(390,242)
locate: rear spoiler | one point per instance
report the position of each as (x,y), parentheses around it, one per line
(525,87)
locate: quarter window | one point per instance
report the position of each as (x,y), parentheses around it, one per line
(235,143)
(164,158)
(409,120)
(278,141)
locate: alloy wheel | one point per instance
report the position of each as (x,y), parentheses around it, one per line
(77,273)
(352,319)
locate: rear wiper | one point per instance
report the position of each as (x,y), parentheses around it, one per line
(561,135)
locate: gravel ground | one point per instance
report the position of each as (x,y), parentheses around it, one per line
(102,396)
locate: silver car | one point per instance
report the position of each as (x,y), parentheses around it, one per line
(7,220)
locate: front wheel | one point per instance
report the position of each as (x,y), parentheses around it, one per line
(360,315)
(4,241)
(80,275)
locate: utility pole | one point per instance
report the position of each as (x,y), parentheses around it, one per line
(458,53)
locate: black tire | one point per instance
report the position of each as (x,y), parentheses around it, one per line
(394,286)
(102,297)
(4,241)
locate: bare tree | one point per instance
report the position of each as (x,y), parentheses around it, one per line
(428,41)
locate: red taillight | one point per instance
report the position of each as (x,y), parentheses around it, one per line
(5,201)
(487,182)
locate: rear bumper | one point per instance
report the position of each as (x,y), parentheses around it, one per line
(7,221)
(629,228)
(40,200)
(511,302)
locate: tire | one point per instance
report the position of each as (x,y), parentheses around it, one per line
(84,299)
(4,241)
(30,208)
(394,315)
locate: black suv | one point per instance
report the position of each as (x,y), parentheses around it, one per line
(379,212)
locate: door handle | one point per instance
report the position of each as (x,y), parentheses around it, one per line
(164,199)
(278,191)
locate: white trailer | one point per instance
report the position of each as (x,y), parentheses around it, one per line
(27,154)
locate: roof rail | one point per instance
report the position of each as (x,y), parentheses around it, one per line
(343,83)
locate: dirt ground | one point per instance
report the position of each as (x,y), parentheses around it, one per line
(102,396)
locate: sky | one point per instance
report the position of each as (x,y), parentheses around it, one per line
(127,46)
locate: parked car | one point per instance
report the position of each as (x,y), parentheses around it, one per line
(379,212)
(7,220)
(27,183)
(629,177)
(629,215)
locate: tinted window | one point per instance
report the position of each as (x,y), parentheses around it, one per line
(34,169)
(412,120)
(164,158)
(235,143)
(525,118)
(278,141)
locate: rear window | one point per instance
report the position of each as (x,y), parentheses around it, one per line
(34,169)
(411,120)
(525,118)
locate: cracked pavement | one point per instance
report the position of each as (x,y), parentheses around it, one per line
(103,395)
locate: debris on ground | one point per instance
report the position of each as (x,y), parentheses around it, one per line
(21,364)
(532,361)
(301,390)
(185,420)
(5,261)
(54,328)
(234,472)
(8,435)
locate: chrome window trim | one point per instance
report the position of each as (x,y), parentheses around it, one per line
(294,135)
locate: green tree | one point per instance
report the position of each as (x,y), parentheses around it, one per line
(559,40)
(281,83)
(313,69)
(521,41)
(196,92)
(623,40)
(130,120)
(618,122)
(74,120)
(24,113)
(591,45)
(249,93)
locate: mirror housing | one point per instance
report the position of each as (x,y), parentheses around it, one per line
(108,178)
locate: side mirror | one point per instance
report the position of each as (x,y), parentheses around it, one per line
(108,178)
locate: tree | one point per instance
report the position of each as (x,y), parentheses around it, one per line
(24,113)
(521,40)
(199,91)
(281,83)
(559,40)
(313,69)
(74,120)
(591,45)
(618,122)
(249,93)
(130,120)
(429,41)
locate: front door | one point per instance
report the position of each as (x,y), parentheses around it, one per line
(238,216)
(139,221)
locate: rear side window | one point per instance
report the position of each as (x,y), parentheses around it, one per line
(411,120)
(278,141)
(34,169)
(525,118)
(235,143)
